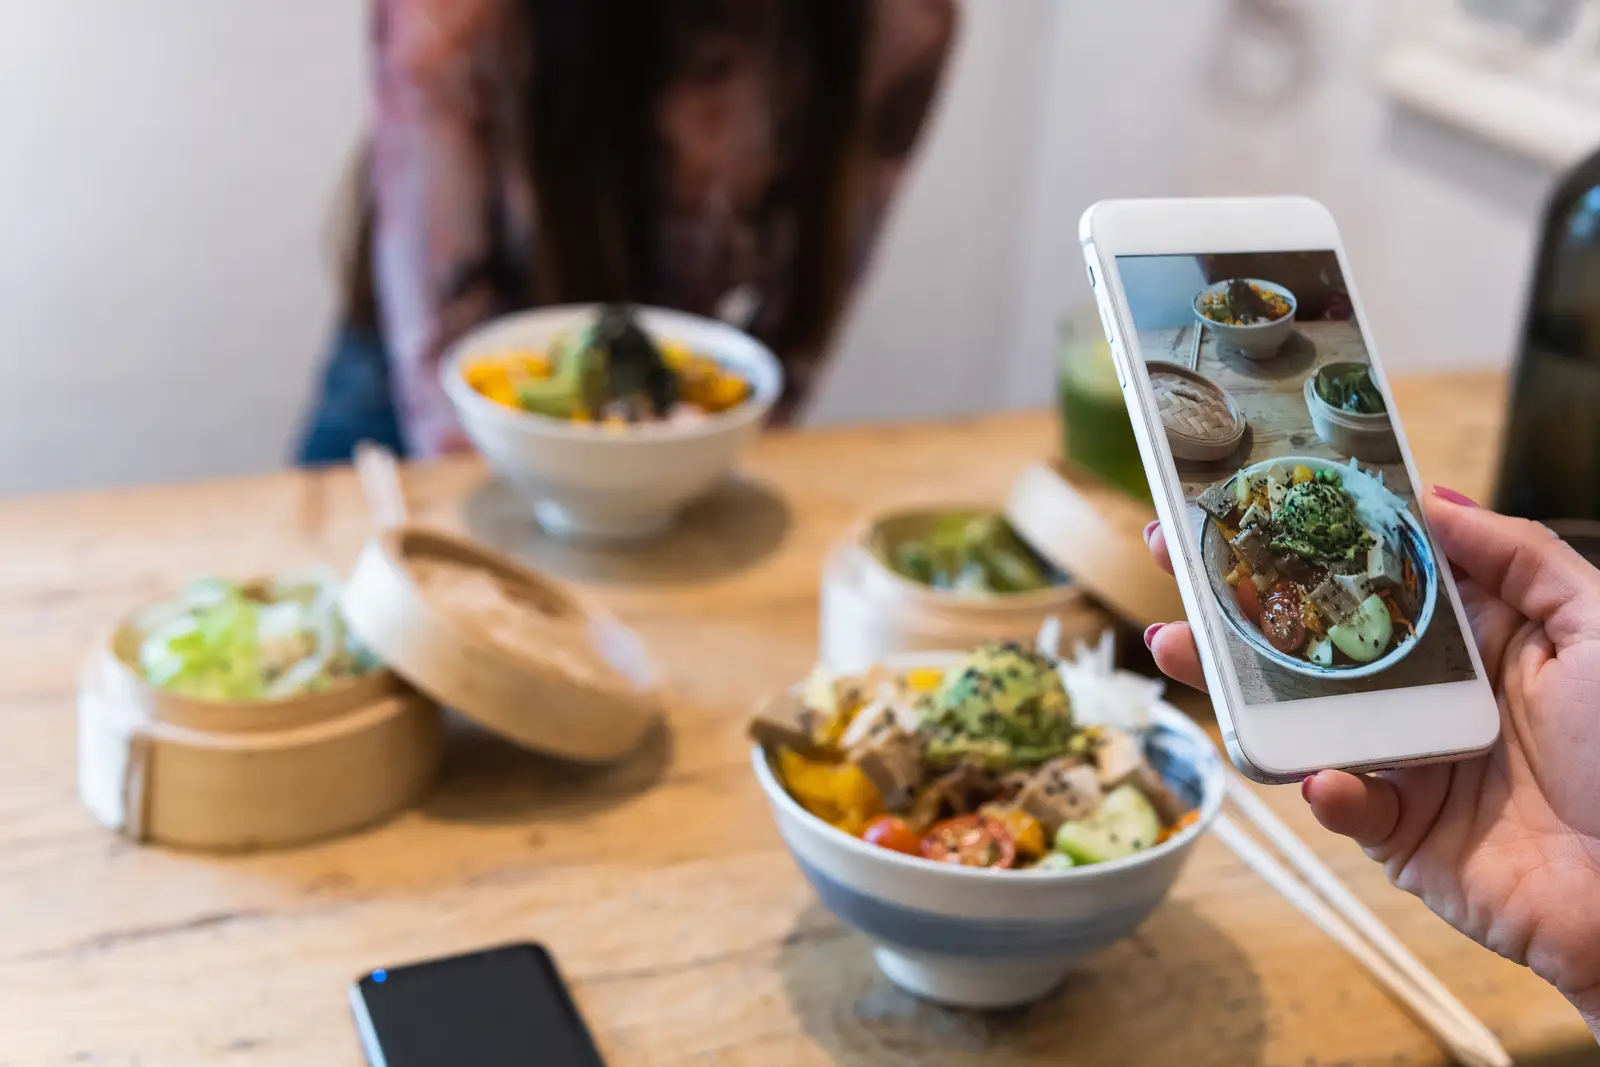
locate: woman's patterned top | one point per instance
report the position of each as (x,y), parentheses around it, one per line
(443,164)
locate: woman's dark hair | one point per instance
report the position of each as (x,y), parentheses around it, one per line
(593,73)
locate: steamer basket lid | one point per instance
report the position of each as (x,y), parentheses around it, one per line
(1095,534)
(517,652)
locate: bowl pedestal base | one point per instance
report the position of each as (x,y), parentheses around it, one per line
(966,983)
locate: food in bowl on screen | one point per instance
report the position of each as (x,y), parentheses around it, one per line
(1007,760)
(1244,303)
(1322,561)
(610,372)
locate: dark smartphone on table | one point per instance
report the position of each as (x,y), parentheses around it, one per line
(1550,458)
(502,1007)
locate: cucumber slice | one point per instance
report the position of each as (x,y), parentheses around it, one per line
(1319,650)
(1364,635)
(1125,823)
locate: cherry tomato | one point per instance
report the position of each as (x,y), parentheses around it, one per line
(1249,600)
(971,841)
(1283,621)
(891,833)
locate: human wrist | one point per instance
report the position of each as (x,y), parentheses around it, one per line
(1588,1004)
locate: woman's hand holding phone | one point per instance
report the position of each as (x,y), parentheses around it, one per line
(1504,847)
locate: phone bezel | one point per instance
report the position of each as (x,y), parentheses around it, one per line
(1285,741)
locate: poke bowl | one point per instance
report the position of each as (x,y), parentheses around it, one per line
(993,908)
(1249,316)
(610,421)
(1318,567)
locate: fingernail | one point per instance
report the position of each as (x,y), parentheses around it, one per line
(1150,635)
(1305,787)
(1453,497)
(1150,530)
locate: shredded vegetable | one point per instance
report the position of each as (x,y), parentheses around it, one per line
(225,641)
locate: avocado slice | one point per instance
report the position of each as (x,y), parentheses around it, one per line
(1126,822)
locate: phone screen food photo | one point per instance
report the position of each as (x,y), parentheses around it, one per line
(1302,510)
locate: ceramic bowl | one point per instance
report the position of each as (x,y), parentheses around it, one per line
(974,938)
(1261,341)
(595,482)
(1218,561)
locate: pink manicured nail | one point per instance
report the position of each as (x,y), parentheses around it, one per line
(1150,635)
(1453,497)
(1150,531)
(1305,787)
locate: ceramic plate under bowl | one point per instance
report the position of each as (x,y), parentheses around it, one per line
(1218,559)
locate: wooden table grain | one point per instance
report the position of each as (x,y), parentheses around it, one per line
(661,885)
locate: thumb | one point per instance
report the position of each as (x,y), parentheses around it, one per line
(1521,563)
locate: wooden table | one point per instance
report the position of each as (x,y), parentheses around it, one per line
(661,885)
(1271,394)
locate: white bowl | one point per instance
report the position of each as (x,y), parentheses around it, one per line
(976,938)
(1216,555)
(1261,341)
(591,481)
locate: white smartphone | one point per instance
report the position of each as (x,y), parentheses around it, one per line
(1329,626)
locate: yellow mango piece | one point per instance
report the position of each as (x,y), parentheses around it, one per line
(503,393)
(1303,474)
(924,679)
(840,794)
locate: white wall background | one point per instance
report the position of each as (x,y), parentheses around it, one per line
(169,171)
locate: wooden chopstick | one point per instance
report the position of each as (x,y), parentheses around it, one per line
(1464,1043)
(1325,882)
(379,474)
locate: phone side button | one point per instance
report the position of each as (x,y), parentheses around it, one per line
(1092,283)
(1116,365)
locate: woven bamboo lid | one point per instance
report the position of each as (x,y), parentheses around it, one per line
(1203,421)
(1096,534)
(514,651)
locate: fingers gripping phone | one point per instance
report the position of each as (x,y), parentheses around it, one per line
(1329,626)
(504,1007)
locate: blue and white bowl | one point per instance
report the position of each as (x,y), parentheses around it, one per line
(1218,560)
(976,938)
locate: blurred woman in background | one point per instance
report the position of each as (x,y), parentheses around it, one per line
(729,158)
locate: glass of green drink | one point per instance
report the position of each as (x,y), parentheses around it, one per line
(1097,434)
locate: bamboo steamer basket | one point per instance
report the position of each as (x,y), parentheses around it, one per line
(1096,534)
(225,776)
(1203,421)
(588,693)
(869,611)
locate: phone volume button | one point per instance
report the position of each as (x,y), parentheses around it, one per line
(1116,365)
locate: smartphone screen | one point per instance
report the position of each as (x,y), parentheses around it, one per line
(1299,505)
(505,1007)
